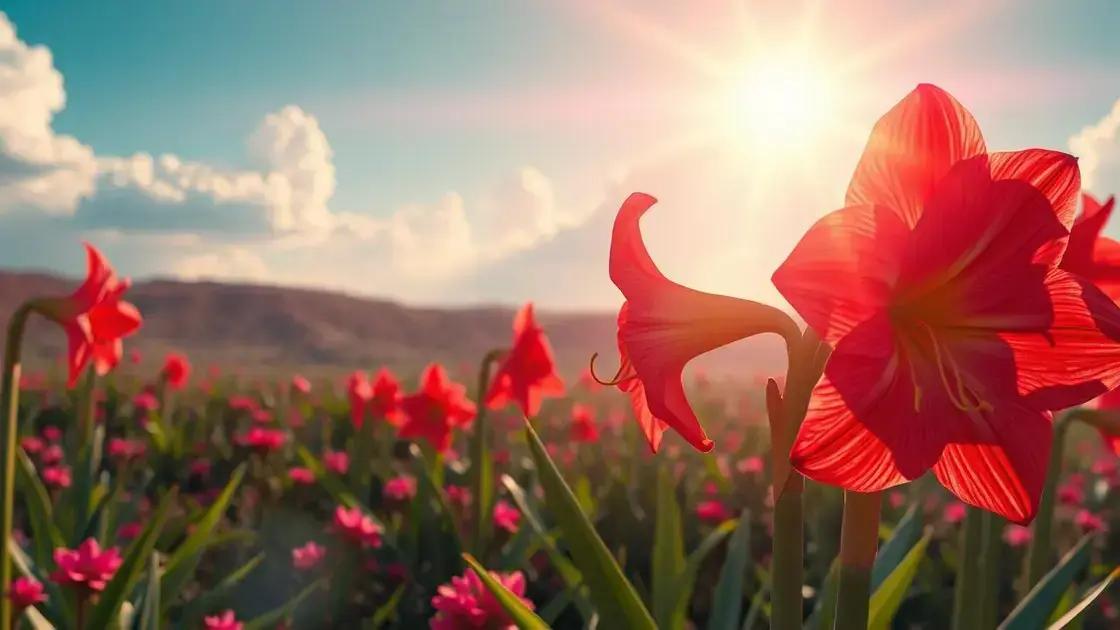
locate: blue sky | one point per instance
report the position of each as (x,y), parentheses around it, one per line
(475,152)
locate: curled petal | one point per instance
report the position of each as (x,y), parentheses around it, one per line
(910,149)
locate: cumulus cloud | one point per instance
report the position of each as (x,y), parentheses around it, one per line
(39,169)
(1098,147)
(233,263)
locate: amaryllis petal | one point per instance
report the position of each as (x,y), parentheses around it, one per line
(106,355)
(79,344)
(114,320)
(652,427)
(1085,232)
(100,279)
(666,324)
(1002,470)
(843,270)
(1077,357)
(910,149)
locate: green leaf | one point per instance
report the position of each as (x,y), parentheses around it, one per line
(668,553)
(150,610)
(518,612)
(1035,609)
(183,561)
(686,581)
(821,619)
(1086,601)
(727,599)
(388,611)
(276,615)
(111,599)
(332,484)
(616,599)
(888,597)
(902,540)
(44,535)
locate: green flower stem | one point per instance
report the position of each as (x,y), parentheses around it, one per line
(1039,553)
(859,540)
(966,597)
(482,468)
(990,560)
(9,394)
(787,559)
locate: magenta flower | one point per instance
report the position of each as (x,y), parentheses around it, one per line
(466,604)
(87,568)
(1016,535)
(712,512)
(224,621)
(26,592)
(357,527)
(262,440)
(31,445)
(308,556)
(401,488)
(337,462)
(57,477)
(506,517)
(751,466)
(1088,522)
(954,512)
(458,496)
(301,476)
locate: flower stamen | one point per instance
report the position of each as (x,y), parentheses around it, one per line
(960,394)
(618,377)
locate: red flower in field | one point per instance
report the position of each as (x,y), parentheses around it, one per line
(458,496)
(712,512)
(176,370)
(1071,492)
(527,373)
(583,425)
(438,407)
(359,392)
(26,592)
(401,488)
(52,433)
(1090,255)
(243,403)
(301,476)
(954,512)
(131,530)
(262,440)
(145,402)
(1016,535)
(300,385)
(752,465)
(466,604)
(124,450)
(1088,522)
(87,568)
(506,517)
(386,401)
(94,318)
(954,332)
(31,444)
(308,556)
(57,477)
(357,527)
(663,325)
(199,468)
(51,455)
(337,462)
(261,416)
(224,621)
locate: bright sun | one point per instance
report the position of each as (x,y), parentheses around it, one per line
(780,102)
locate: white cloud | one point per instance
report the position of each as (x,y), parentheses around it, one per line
(38,168)
(1098,147)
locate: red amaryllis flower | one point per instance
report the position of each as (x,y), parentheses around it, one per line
(52,433)
(176,370)
(1088,522)
(308,556)
(712,511)
(954,512)
(466,604)
(386,401)
(262,440)
(125,450)
(664,325)
(359,393)
(458,496)
(26,592)
(954,332)
(94,318)
(527,373)
(584,428)
(301,476)
(51,455)
(57,477)
(506,517)
(1090,255)
(300,385)
(224,621)
(439,406)
(338,462)
(1016,535)
(357,527)
(31,444)
(86,568)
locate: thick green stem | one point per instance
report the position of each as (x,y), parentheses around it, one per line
(1038,554)
(966,596)
(859,540)
(990,560)
(787,560)
(482,468)
(9,394)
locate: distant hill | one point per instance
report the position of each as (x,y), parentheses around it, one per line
(262,329)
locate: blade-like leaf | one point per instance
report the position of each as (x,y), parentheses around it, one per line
(275,616)
(888,597)
(686,581)
(618,603)
(149,616)
(727,600)
(44,535)
(668,553)
(1035,609)
(905,536)
(183,561)
(333,485)
(518,612)
(388,611)
(111,599)
(1085,602)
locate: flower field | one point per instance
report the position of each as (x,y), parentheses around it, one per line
(940,450)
